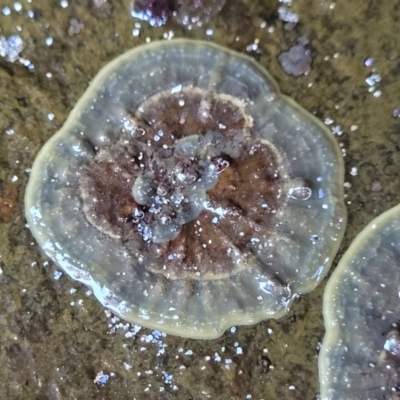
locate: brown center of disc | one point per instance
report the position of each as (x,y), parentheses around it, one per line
(186,187)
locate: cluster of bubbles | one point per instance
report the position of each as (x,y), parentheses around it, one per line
(171,191)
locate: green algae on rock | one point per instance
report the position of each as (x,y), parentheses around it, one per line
(188,192)
(360,354)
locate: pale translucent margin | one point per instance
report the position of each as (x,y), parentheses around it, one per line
(348,335)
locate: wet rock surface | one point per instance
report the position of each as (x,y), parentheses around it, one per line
(55,337)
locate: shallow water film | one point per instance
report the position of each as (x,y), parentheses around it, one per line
(339,61)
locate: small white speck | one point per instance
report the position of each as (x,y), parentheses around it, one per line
(228,362)
(252,47)
(337,130)
(353,128)
(49,41)
(57,275)
(147,338)
(17,6)
(369,61)
(168,35)
(50,116)
(26,62)
(209,32)
(373,79)
(377,93)
(11,47)
(177,89)
(14,178)
(49,75)
(10,132)
(287,16)
(6,11)
(136,32)
(292,387)
(354,171)
(270,331)
(101,378)
(64,3)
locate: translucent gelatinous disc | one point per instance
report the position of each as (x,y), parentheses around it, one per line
(187,192)
(360,355)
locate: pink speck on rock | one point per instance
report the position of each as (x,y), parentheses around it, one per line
(297,60)
(376,186)
(190,13)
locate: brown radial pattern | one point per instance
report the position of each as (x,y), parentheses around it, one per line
(227,161)
(188,193)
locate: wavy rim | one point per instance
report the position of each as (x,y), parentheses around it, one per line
(332,332)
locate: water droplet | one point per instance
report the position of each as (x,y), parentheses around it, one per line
(299,190)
